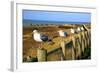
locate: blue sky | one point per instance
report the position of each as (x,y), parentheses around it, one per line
(59,17)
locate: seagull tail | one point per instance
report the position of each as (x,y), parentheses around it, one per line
(49,39)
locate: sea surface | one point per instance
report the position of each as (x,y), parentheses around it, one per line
(39,22)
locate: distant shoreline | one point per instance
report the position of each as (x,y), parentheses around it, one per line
(31,22)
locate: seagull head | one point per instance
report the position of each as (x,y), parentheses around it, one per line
(35,31)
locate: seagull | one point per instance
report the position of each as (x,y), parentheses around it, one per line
(78,29)
(62,33)
(82,28)
(72,31)
(38,37)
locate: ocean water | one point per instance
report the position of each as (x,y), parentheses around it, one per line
(31,22)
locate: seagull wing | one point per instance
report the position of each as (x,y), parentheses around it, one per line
(65,34)
(43,37)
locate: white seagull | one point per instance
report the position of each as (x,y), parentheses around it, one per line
(62,33)
(82,28)
(78,29)
(40,37)
(72,31)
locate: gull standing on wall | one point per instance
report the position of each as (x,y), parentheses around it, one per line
(72,30)
(78,29)
(38,37)
(62,33)
(82,29)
